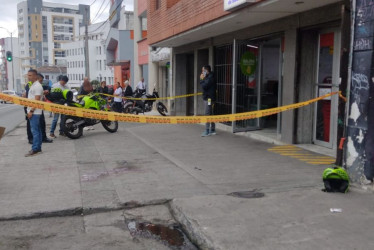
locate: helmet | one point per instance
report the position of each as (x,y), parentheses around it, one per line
(335,179)
(68,95)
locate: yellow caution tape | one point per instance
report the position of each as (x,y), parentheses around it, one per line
(113,116)
(152,99)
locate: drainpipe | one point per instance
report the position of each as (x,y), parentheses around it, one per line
(359,154)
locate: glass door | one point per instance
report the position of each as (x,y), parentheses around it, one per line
(325,118)
(248,88)
(258,80)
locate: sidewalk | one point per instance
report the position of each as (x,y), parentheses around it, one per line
(146,164)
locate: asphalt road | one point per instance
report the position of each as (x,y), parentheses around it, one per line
(11,116)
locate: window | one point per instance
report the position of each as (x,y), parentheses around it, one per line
(157,4)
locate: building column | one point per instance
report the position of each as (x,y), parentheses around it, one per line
(359,157)
(288,88)
(137,37)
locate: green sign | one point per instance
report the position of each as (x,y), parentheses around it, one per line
(248,63)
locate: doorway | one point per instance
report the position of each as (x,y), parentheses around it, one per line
(258,82)
(327,75)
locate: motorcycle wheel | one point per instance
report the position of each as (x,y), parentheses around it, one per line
(70,129)
(127,108)
(110,126)
(162,109)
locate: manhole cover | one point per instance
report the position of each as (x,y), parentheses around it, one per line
(247,194)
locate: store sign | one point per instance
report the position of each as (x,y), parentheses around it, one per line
(233,4)
(248,63)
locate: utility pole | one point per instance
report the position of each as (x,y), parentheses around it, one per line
(11,47)
(87,64)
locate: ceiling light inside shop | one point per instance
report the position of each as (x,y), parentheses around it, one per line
(252,46)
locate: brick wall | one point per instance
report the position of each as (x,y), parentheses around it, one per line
(142,6)
(176,16)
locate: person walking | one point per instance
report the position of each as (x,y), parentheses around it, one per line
(35,93)
(59,87)
(209,86)
(117,105)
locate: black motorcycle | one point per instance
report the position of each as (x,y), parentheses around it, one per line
(142,106)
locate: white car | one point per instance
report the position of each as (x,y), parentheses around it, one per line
(8,92)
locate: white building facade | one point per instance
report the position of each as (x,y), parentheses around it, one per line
(75,57)
(43,27)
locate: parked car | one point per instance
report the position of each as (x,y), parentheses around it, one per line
(8,92)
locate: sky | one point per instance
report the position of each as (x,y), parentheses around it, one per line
(8,12)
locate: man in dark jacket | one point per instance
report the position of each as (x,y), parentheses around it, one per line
(209,86)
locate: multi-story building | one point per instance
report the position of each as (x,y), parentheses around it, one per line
(141,47)
(10,71)
(120,42)
(43,27)
(75,56)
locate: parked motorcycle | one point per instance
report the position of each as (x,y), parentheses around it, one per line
(73,126)
(142,106)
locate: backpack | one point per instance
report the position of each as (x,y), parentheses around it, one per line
(336,180)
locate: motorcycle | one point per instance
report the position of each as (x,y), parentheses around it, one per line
(142,106)
(73,125)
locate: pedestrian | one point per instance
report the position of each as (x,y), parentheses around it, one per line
(59,87)
(128,90)
(140,87)
(42,118)
(209,86)
(46,90)
(117,105)
(103,89)
(33,114)
(86,87)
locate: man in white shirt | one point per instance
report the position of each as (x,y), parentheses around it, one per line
(35,93)
(140,87)
(117,105)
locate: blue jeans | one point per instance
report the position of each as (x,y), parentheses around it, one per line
(209,126)
(54,123)
(36,133)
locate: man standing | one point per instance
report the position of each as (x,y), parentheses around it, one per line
(128,90)
(209,85)
(35,93)
(58,87)
(140,87)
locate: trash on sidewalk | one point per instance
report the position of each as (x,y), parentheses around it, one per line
(336,210)
(2,130)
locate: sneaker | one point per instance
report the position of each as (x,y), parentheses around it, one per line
(32,153)
(205,134)
(91,128)
(86,128)
(61,134)
(213,132)
(47,140)
(52,135)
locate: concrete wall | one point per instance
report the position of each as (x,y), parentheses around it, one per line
(306,82)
